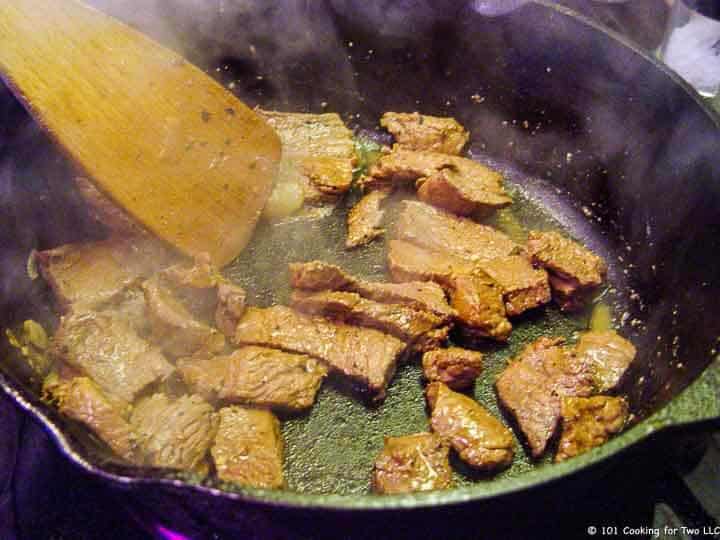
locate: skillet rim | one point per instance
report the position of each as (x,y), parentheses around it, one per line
(699,401)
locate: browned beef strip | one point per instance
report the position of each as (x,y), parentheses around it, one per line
(364,355)
(256,376)
(82,400)
(574,270)
(608,357)
(88,276)
(174,433)
(320,276)
(318,153)
(417,462)
(437,230)
(476,299)
(415,131)
(364,221)
(230,307)
(317,276)
(408,262)
(589,422)
(452,191)
(480,439)
(456,367)
(248,448)
(479,304)
(523,286)
(532,385)
(403,322)
(173,327)
(405,167)
(108,350)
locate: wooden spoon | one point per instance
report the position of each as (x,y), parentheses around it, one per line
(163,140)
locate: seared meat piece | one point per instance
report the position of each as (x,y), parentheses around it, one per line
(589,422)
(480,308)
(107,213)
(318,276)
(365,355)
(257,376)
(318,153)
(415,131)
(248,448)
(480,439)
(462,195)
(412,463)
(108,350)
(81,399)
(174,329)
(533,384)
(88,276)
(457,368)
(198,274)
(574,270)
(365,219)
(174,434)
(408,262)
(426,296)
(230,307)
(608,357)
(437,230)
(474,181)
(523,286)
(403,322)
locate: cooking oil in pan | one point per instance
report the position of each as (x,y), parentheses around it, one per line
(331,448)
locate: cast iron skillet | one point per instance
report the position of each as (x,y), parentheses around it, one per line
(618,151)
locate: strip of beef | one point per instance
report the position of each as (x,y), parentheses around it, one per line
(206,292)
(437,230)
(318,276)
(256,376)
(523,286)
(174,329)
(608,357)
(230,307)
(405,167)
(174,434)
(452,191)
(574,270)
(90,275)
(456,367)
(364,355)
(318,153)
(589,422)
(533,384)
(408,262)
(476,299)
(415,131)
(248,448)
(412,463)
(364,221)
(110,352)
(82,400)
(480,439)
(481,311)
(410,325)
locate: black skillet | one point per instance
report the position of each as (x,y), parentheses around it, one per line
(595,138)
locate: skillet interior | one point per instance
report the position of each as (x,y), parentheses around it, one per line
(621,154)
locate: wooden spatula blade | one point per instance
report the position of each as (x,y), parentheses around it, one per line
(163,140)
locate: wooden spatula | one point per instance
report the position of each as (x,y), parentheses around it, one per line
(171,146)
